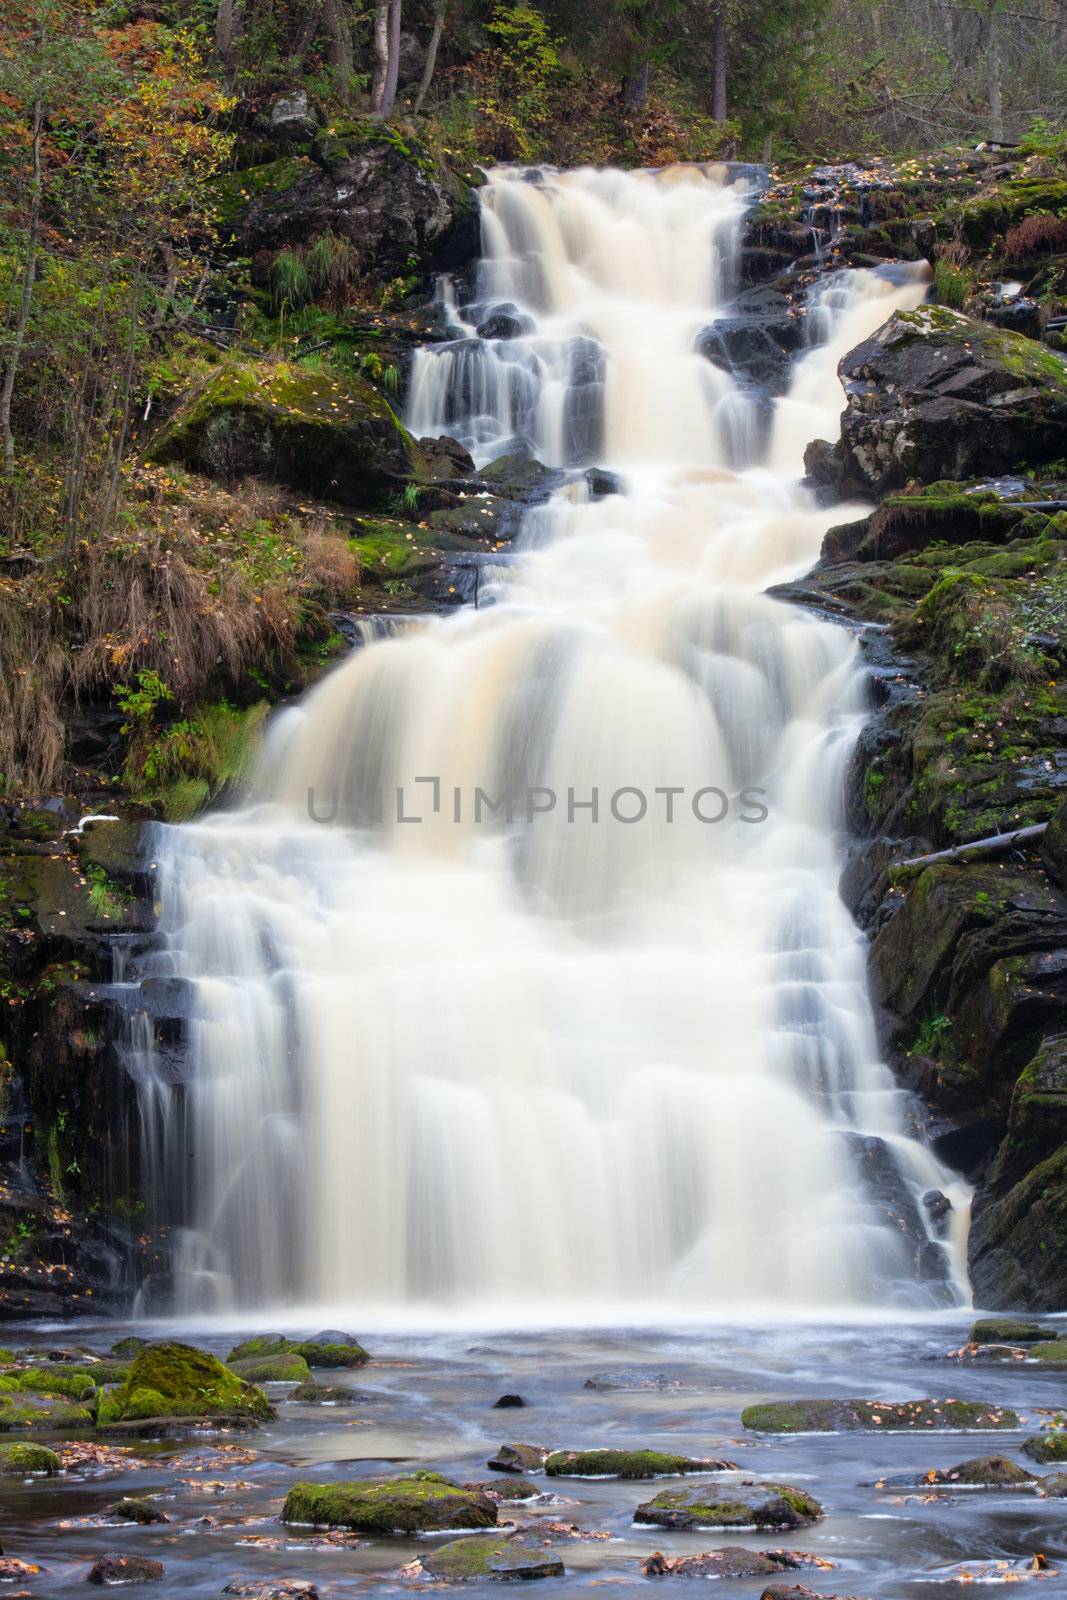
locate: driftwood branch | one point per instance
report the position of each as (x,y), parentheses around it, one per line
(995,844)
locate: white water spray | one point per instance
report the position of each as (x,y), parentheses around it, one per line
(571,1061)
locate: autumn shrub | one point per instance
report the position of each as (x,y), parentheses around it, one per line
(1040,234)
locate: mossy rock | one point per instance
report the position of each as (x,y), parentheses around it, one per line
(172,1380)
(627,1464)
(1047,1447)
(289,1368)
(233,194)
(141,1512)
(463,1559)
(1008,1330)
(333,1352)
(262,1344)
(36,1413)
(330,434)
(328,1394)
(426,1502)
(46,1380)
(519,1458)
(1055,1486)
(1055,1351)
(26,1460)
(509,1489)
(988,1472)
(748,1504)
(993,211)
(885,1416)
(129,1346)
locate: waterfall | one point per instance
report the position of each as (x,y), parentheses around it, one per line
(522,984)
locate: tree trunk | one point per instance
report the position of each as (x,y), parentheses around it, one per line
(227,27)
(718,84)
(29,274)
(340,44)
(392,67)
(431,56)
(635,86)
(381,54)
(996,98)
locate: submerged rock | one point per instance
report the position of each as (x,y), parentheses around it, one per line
(1047,1447)
(289,1368)
(171,1381)
(508,1402)
(934,395)
(114,1570)
(28,1460)
(330,1394)
(426,1502)
(519,1458)
(507,1489)
(29,1413)
(463,1559)
(736,1563)
(983,1472)
(273,1589)
(747,1504)
(852,1416)
(628,1464)
(143,1512)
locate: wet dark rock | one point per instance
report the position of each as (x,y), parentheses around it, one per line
(272,1589)
(938,1208)
(505,322)
(1054,846)
(520,477)
(758,348)
(935,395)
(330,1394)
(385,195)
(888,1194)
(851,1416)
(142,1512)
(425,1502)
(518,1458)
(743,1504)
(113,1570)
(465,1559)
(445,459)
(1055,1486)
(601,482)
(508,1402)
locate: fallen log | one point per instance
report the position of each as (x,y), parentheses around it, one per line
(995,844)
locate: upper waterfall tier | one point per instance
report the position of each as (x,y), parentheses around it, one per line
(524,984)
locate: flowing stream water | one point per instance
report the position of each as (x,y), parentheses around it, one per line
(613,1053)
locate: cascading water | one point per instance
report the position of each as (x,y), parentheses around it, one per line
(577,1058)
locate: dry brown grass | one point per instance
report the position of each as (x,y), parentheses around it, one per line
(32,674)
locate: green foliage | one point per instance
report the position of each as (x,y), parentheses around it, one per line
(931,1035)
(514,79)
(140,702)
(952,284)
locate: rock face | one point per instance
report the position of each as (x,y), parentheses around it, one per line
(934,394)
(169,1381)
(424,1503)
(335,438)
(746,1504)
(378,190)
(853,1416)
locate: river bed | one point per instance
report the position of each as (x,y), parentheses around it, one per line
(430,1404)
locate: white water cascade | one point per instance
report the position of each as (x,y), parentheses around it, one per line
(570,1063)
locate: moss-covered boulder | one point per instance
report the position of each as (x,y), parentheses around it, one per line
(745,1504)
(1055,1351)
(72,1385)
(1047,1447)
(727,1563)
(26,1412)
(628,1464)
(329,434)
(982,1472)
(466,1559)
(885,1416)
(288,1368)
(331,1349)
(130,1345)
(170,1380)
(329,1394)
(426,1502)
(28,1460)
(1054,1487)
(934,394)
(1008,1330)
(141,1512)
(113,1571)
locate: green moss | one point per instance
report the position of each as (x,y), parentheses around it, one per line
(72,1385)
(1007,1330)
(621,1464)
(1047,1447)
(750,1504)
(464,1559)
(235,192)
(422,1503)
(28,1412)
(264,1344)
(1055,1350)
(850,1416)
(290,1368)
(177,1380)
(22,1460)
(347,1354)
(314,1352)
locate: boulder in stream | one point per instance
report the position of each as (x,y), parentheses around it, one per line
(982,1472)
(745,1504)
(465,1559)
(1008,1330)
(519,1458)
(1047,1447)
(628,1464)
(288,1368)
(171,1382)
(889,1416)
(727,1563)
(27,1461)
(112,1570)
(141,1512)
(425,1502)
